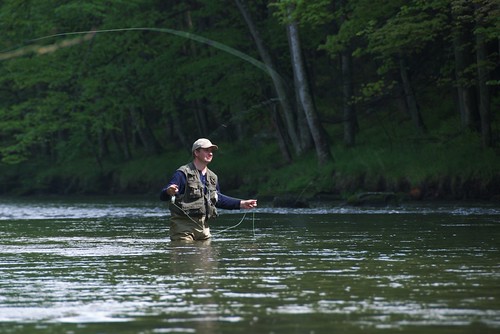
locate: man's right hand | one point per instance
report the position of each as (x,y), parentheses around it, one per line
(172,189)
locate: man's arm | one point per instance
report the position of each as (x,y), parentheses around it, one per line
(226,202)
(231,203)
(179,180)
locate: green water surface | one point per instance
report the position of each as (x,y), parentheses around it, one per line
(97,267)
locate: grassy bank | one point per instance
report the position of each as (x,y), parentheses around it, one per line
(457,168)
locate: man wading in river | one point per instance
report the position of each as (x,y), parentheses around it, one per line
(194,195)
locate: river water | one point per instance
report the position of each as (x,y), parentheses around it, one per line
(107,266)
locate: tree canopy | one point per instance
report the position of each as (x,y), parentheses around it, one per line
(115,80)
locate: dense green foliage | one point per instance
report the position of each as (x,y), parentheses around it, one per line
(107,96)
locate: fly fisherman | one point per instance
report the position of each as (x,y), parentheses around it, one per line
(194,195)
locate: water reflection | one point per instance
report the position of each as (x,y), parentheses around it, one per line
(188,270)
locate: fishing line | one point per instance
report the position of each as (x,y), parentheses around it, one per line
(231,227)
(90,33)
(172,200)
(267,69)
(239,223)
(253,223)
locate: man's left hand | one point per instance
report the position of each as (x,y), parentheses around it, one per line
(248,204)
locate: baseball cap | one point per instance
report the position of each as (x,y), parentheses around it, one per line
(203,143)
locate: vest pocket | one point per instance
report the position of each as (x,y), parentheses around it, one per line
(195,192)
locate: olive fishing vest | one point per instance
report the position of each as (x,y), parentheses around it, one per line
(195,202)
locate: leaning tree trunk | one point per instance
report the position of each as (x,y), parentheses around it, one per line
(320,142)
(278,83)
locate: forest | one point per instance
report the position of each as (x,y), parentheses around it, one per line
(310,98)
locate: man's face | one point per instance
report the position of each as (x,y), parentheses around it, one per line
(205,154)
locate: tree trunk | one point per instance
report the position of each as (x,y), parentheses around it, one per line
(484,94)
(121,139)
(464,90)
(179,129)
(102,140)
(463,61)
(411,102)
(149,142)
(279,85)
(121,147)
(280,136)
(306,140)
(321,144)
(349,113)
(200,115)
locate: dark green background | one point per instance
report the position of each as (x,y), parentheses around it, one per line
(117,111)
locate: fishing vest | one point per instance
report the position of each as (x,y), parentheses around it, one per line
(195,202)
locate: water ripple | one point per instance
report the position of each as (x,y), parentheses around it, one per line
(373,269)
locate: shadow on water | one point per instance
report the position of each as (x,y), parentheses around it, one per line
(108,266)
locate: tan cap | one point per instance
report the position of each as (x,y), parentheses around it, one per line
(203,143)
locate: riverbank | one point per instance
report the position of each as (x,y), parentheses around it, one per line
(458,169)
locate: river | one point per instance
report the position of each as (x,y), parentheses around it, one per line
(102,265)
